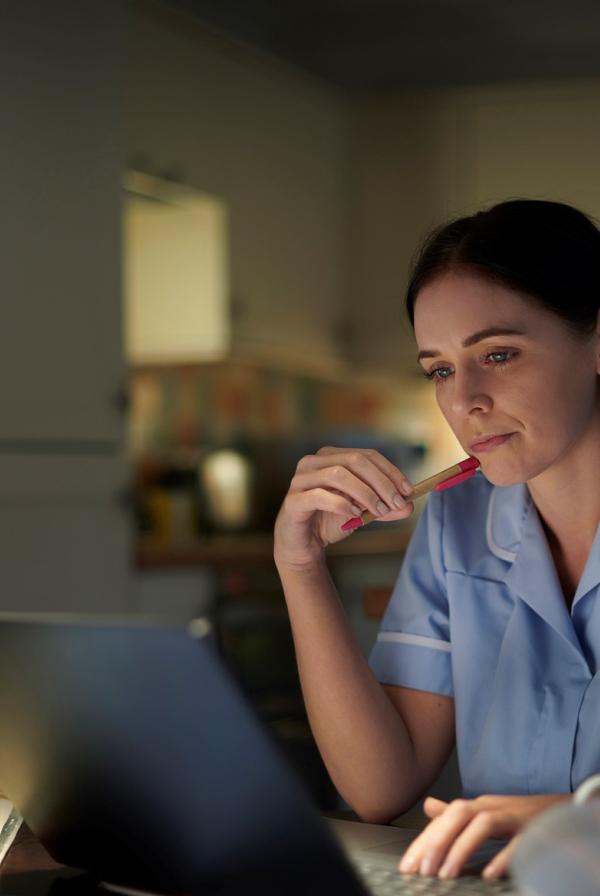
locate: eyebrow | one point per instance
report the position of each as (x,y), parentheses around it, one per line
(474,338)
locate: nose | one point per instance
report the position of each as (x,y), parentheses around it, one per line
(469,395)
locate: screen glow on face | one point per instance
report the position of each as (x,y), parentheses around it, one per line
(504,366)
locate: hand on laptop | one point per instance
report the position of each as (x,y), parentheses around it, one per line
(458,829)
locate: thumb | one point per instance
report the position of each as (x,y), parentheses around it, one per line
(432,807)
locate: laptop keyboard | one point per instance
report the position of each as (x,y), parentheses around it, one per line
(389,882)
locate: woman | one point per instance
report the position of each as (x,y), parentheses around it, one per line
(492,637)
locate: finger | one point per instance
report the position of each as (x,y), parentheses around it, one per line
(398,514)
(427,854)
(357,478)
(432,807)
(501,861)
(428,851)
(397,477)
(340,480)
(411,860)
(484,825)
(303,504)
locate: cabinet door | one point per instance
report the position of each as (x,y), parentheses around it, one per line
(61,164)
(64,534)
(271,145)
(539,142)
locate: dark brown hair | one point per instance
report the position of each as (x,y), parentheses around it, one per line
(547,250)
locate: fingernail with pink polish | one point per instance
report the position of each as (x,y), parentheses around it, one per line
(352,524)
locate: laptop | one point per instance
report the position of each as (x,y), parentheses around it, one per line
(131,753)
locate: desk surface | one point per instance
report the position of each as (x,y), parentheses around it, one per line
(27,855)
(27,869)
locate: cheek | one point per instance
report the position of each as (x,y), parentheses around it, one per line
(533,404)
(442,397)
(565,397)
(570,408)
(550,411)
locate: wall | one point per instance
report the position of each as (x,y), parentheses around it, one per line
(423,157)
(271,142)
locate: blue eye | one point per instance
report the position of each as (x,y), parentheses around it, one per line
(439,373)
(500,357)
(495,359)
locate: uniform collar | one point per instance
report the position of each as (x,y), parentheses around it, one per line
(507,510)
(515,534)
(591,573)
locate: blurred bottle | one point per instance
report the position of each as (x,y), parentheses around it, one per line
(170,507)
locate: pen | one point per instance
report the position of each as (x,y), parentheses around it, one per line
(445,479)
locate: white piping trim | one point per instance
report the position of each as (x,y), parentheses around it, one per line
(502,553)
(416,640)
(586,789)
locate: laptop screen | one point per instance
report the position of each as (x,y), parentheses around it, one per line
(131,753)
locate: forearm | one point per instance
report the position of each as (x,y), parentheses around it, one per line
(361,735)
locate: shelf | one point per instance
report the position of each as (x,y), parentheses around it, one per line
(223,550)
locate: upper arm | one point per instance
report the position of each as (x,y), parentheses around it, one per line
(429,720)
(413,648)
(412,657)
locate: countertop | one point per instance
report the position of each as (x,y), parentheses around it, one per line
(222,550)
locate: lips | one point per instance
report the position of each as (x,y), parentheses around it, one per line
(489,442)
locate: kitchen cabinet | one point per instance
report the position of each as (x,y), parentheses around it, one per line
(539,142)
(62,361)
(270,144)
(65,539)
(64,532)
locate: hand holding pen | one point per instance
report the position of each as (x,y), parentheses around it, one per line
(338,484)
(439,482)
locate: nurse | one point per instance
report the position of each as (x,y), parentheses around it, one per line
(491,640)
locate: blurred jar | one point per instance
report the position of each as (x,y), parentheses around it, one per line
(226,481)
(170,503)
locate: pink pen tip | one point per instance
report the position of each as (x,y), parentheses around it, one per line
(350,525)
(471,463)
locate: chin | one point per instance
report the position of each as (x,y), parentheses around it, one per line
(503,473)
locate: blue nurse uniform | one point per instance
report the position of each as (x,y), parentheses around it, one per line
(478,613)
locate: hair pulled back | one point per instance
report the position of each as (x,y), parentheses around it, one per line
(548,250)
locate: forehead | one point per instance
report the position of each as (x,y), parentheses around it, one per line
(458,303)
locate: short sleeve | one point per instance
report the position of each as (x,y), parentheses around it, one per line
(413,647)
